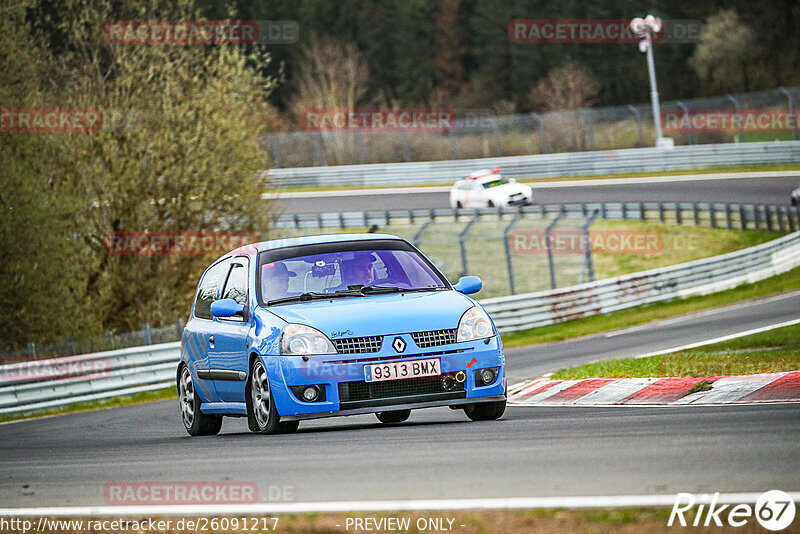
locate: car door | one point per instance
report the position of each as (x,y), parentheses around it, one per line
(196,332)
(227,347)
(476,195)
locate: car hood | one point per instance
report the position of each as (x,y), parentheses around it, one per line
(375,315)
(507,190)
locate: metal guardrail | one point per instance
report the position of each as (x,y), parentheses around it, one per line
(24,387)
(698,277)
(542,165)
(33,385)
(712,214)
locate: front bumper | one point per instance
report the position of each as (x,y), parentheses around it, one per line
(342,375)
(409,406)
(519,201)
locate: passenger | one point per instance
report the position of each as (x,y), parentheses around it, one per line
(275,281)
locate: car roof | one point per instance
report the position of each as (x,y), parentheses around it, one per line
(483,174)
(254,248)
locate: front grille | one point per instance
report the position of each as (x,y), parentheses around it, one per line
(434,338)
(355,345)
(360,394)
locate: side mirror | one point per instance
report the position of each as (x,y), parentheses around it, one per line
(226,308)
(466,284)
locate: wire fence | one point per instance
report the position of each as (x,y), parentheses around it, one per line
(480,133)
(549,246)
(71,347)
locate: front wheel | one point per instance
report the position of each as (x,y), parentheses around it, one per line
(261,413)
(287,427)
(395,416)
(459,205)
(485,411)
(196,422)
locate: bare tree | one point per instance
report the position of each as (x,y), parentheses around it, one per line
(564,91)
(567,87)
(332,74)
(725,53)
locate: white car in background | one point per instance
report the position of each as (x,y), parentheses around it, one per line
(488,189)
(796,197)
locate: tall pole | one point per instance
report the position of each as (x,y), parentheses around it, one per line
(645,28)
(651,69)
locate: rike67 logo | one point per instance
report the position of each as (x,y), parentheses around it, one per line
(774,510)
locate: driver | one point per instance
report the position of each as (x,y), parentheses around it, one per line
(358,271)
(275,281)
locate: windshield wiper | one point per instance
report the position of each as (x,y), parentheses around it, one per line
(394,289)
(420,289)
(299,298)
(353,291)
(381,289)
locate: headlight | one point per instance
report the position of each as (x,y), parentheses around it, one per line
(474,324)
(300,340)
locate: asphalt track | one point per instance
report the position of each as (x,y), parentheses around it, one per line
(741,190)
(438,453)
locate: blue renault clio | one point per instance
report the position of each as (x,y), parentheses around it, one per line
(331,325)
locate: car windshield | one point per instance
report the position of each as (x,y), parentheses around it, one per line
(495,183)
(346,273)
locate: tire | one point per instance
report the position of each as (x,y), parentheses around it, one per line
(458,205)
(288,427)
(262,416)
(485,411)
(196,422)
(396,416)
(490,204)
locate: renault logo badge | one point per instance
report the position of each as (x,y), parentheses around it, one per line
(399,345)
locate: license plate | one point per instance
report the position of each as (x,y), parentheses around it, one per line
(402,370)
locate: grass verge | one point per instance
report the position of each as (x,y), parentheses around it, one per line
(644,314)
(773,351)
(714,169)
(113,402)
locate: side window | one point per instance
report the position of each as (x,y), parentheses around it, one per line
(209,289)
(236,286)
